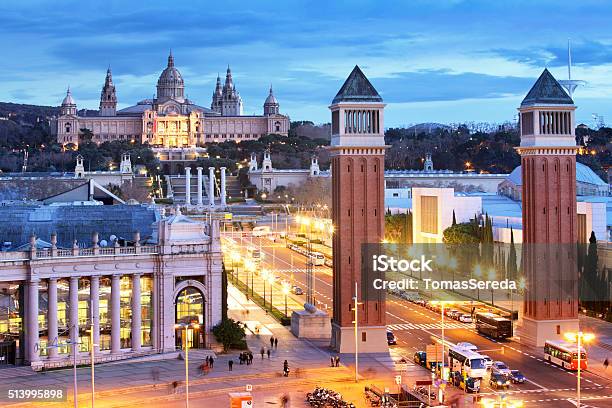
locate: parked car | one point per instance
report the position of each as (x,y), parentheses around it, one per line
(498,381)
(488,361)
(391,340)
(420,358)
(517,377)
(465,318)
(501,368)
(296,290)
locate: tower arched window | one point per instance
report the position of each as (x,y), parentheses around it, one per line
(68,127)
(277,126)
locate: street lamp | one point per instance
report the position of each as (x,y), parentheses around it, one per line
(478,274)
(580,338)
(186,326)
(264,277)
(492,274)
(271,279)
(286,287)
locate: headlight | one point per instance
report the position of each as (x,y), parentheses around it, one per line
(499,383)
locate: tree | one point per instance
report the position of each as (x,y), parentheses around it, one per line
(229,333)
(511,266)
(463,233)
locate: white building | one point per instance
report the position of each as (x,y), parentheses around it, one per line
(132,294)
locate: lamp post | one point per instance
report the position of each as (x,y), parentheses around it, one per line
(286,288)
(264,277)
(579,338)
(271,279)
(492,276)
(187,326)
(478,274)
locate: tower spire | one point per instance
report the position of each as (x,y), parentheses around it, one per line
(170,59)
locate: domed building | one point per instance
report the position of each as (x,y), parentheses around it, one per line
(170,120)
(587,183)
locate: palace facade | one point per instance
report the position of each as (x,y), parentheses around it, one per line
(170,119)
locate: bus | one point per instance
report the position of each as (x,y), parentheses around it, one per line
(467,361)
(493,325)
(564,354)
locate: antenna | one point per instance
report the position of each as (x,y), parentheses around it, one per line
(570,84)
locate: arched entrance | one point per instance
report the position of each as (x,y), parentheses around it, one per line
(189,308)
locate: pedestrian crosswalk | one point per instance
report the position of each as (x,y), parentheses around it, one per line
(428,326)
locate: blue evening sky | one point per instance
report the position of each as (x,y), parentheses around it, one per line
(444,61)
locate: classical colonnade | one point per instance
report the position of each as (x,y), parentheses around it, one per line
(211,187)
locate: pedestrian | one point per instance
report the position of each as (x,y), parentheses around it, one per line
(207,360)
(284,401)
(276,342)
(271,342)
(262,352)
(240,358)
(230,364)
(175,385)
(155,373)
(250,358)
(268,352)
(332,360)
(337,361)
(606,363)
(211,362)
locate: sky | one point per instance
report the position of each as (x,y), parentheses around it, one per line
(444,61)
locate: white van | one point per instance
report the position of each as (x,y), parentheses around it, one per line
(317,258)
(261,231)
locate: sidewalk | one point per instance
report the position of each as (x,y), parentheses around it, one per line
(131,383)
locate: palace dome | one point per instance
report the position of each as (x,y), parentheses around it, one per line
(170,84)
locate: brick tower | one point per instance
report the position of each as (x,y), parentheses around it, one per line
(548,171)
(358,164)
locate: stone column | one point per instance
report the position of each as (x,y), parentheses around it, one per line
(188,185)
(211,186)
(115,314)
(136,313)
(199,169)
(74,313)
(223,195)
(32,321)
(52,337)
(94,294)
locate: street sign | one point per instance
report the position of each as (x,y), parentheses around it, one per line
(398,379)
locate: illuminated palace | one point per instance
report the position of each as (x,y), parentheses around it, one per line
(170,119)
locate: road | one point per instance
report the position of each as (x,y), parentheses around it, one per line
(414,325)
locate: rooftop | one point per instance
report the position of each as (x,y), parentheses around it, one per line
(547,91)
(357,88)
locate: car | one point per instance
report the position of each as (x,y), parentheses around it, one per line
(517,377)
(465,318)
(501,368)
(467,346)
(420,358)
(296,290)
(498,381)
(391,338)
(455,314)
(468,384)
(488,361)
